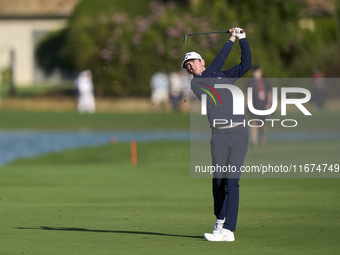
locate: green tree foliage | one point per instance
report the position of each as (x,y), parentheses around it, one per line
(284,38)
(124,43)
(124,50)
(49,53)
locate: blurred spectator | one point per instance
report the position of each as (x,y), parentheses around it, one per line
(262,100)
(186,88)
(176,92)
(186,83)
(319,89)
(159,84)
(86,101)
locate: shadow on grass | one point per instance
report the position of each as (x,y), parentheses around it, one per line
(107,231)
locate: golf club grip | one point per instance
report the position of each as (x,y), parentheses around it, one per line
(242,31)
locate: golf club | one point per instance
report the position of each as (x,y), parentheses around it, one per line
(185,37)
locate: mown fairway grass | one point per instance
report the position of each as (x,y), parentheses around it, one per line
(19,120)
(93,201)
(11,119)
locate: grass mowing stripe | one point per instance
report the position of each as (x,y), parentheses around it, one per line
(98,121)
(18,120)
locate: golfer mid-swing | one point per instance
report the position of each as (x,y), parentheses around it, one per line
(229,142)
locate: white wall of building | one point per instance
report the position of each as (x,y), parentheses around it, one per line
(18,35)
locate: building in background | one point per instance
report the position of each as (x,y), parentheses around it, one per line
(22,25)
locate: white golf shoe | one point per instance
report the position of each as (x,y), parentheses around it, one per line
(224,235)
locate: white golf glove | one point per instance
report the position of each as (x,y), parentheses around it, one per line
(240,35)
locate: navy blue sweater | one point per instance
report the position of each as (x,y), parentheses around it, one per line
(216,75)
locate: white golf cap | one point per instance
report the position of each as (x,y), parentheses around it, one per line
(189,56)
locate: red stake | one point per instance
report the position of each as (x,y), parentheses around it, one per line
(133,152)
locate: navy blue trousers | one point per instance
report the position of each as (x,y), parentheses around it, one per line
(228,148)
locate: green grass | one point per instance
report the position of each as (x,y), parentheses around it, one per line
(93,201)
(100,121)
(17,119)
(319,120)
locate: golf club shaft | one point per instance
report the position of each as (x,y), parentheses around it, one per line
(214,32)
(202,33)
